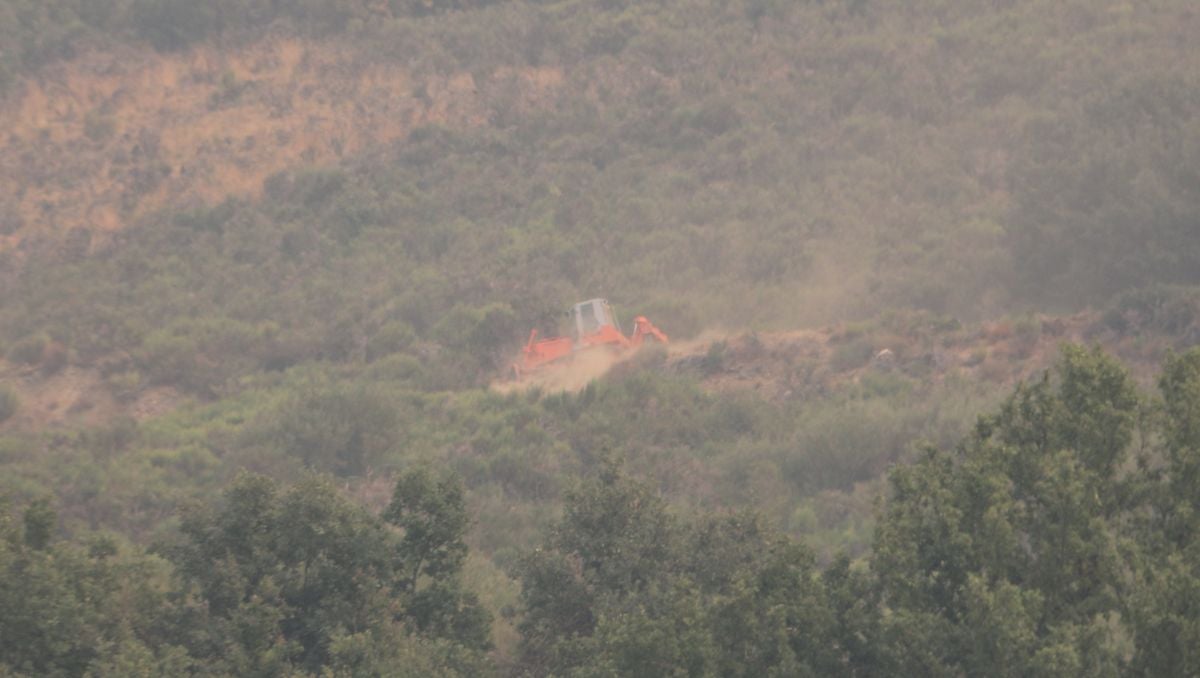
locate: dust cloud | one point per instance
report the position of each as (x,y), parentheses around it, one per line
(573,374)
(570,375)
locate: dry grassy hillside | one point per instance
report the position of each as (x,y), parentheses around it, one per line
(98,141)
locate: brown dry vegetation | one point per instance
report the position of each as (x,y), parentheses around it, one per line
(98,141)
(76,397)
(782,365)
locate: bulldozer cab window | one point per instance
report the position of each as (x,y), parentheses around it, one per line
(590,316)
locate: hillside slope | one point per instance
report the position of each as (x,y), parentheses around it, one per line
(214,224)
(824,161)
(263,261)
(775,366)
(99,142)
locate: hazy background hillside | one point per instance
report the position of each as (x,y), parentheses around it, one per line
(819,160)
(289,236)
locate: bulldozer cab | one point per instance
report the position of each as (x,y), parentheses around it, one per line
(589,317)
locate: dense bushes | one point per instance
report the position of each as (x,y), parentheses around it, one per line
(622,586)
(1032,549)
(986,548)
(514,452)
(10,402)
(268,580)
(1045,542)
(171,24)
(341,430)
(741,164)
(704,203)
(28,350)
(41,32)
(1170,310)
(203,355)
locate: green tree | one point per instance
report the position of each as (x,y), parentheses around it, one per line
(275,580)
(10,402)
(1180,386)
(431,514)
(1167,592)
(1007,548)
(79,610)
(622,587)
(41,521)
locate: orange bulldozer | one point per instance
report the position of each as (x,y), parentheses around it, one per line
(593,326)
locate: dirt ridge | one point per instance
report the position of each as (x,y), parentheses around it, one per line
(777,366)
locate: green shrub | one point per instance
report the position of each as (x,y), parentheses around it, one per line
(125,386)
(852,354)
(1166,308)
(202,355)
(393,337)
(11,220)
(313,187)
(397,367)
(1028,328)
(55,356)
(875,384)
(98,126)
(977,356)
(174,24)
(211,219)
(1027,331)
(714,358)
(28,351)
(481,331)
(342,429)
(10,402)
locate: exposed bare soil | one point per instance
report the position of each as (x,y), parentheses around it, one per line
(76,396)
(782,365)
(773,365)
